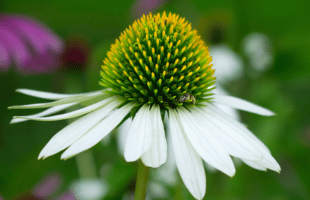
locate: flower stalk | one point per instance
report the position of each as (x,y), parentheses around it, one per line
(141,183)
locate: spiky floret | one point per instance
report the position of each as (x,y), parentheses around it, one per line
(158,60)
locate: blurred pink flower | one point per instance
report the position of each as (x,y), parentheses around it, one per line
(29,44)
(47,188)
(49,185)
(141,7)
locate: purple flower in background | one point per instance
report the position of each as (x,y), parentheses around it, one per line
(28,44)
(141,7)
(47,188)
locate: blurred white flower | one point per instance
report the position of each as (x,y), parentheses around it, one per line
(157,191)
(227,64)
(258,48)
(89,189)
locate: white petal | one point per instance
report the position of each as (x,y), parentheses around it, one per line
(49,95)
(157,154)
(98,132)
(75,130)
(122,135)
(241,104)
(167,173)
(72,114)
(206,145)
(139,136)
(230,111)
(48,111)
(228,120)
(189,163)
(235,143)
(61,101)
(267,160)
(254,165)
(220,91)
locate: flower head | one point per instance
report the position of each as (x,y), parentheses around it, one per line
(158,71)
(159,60)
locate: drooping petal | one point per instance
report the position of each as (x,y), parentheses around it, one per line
(220,115)
(48,111)
(75,130)
(157,154)
(52,96)
(122,134)
(72,114)
(67,100)
(241,104)
(98,132)
(235,143)
(230,111)
(255,165)
(139,136)
(206,145)
(267,159)
(167,173)
(188,162)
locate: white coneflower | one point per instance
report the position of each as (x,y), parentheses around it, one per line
(258,49)
(159,68)
(228,64)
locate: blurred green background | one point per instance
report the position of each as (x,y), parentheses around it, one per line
(283,86)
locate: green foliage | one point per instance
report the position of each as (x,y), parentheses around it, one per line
(284,88)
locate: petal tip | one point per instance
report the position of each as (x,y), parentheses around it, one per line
(270,113)
(129,159)
(41,155)
(231,173)
(63,156)
(66,156)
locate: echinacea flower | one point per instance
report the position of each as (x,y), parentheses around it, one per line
(158,71)
(29,44)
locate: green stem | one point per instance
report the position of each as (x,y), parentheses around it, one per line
(86,165)
(85,160)
(141,183)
